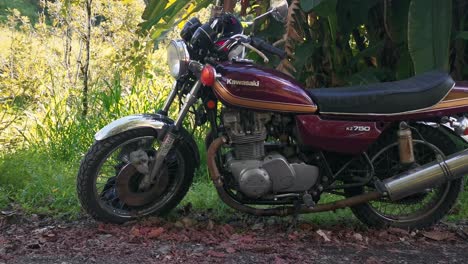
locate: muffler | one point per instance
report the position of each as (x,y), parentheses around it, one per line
(427,176)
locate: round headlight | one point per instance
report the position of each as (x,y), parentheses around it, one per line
(178,58)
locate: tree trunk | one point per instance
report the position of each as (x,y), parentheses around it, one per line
(229,5)
(85,66)
(68,39)
(459,45)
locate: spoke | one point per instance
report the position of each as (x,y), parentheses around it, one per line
(387,164)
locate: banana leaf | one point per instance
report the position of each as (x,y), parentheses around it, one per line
(163,15)
(429,31)
(308,5)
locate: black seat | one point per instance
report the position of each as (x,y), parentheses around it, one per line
(416,93)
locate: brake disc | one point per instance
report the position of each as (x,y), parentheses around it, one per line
(127,183)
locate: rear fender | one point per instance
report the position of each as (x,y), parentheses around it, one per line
(157,122)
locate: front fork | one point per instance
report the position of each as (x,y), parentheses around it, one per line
(169,137)
(170,98)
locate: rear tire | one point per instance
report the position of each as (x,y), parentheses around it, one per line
(367,214)
(92,199)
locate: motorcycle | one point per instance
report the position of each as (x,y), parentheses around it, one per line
(275,147)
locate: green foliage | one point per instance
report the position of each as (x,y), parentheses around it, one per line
(163,16)
(429,30)
(202,196)
(40,91)
(462,35)
(336,42)
(308,5)
(39,183)
(29,8)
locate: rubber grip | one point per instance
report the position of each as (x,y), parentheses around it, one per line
(267,47)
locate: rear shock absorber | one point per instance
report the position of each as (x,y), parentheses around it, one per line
(405,144)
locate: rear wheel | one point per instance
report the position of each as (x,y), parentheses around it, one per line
(105,174)
(417,211)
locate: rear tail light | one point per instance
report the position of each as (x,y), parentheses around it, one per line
(208,75)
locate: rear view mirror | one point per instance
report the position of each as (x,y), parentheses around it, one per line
(279,9)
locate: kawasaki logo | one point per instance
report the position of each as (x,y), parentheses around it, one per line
(244,83)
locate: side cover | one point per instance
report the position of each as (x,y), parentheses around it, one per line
(254,87)
(340,136)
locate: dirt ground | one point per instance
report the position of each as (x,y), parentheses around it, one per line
(200,240)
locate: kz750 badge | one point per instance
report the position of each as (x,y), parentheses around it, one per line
(243,83)
(358,128)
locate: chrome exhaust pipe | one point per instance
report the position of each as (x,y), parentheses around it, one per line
(427,176)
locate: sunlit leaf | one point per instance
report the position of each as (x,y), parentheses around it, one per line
(165,15)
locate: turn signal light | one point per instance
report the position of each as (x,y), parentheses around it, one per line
(208,75)
(211,104)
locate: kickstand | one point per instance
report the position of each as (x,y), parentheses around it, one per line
(294,217)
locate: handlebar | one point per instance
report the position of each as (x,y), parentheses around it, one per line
(267,47)
(255,44)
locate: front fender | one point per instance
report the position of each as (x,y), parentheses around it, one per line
(131,122)
(154,121)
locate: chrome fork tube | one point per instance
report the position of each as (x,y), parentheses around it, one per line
(169,139)
(189,101)
(170,99)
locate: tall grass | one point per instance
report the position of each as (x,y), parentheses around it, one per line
(41,150)
(41,176)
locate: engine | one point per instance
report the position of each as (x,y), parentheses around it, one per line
(257,173)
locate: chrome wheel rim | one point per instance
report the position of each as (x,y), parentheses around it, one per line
(109,168)
(413,208)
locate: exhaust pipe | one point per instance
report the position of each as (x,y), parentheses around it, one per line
(428,176)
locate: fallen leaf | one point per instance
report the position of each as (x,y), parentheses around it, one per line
(154,233)
(135,231)
(293,236)
(358,237)
(179,224)
(8,213)
(216,254)
(40,231)
(227,230)
(230,250)
(399,231)
(210,225)
(306,226)
(187,222)
(373,260)
(321,233)
(279,260)
(258,227)
(49,235)
(383,234)
(438,235)
(246,239)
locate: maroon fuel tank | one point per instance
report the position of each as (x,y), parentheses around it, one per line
(254,87)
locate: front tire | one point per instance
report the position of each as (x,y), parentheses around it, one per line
(445,195)
(96,182)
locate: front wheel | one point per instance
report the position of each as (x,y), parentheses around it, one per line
(419,210)
(103,166)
